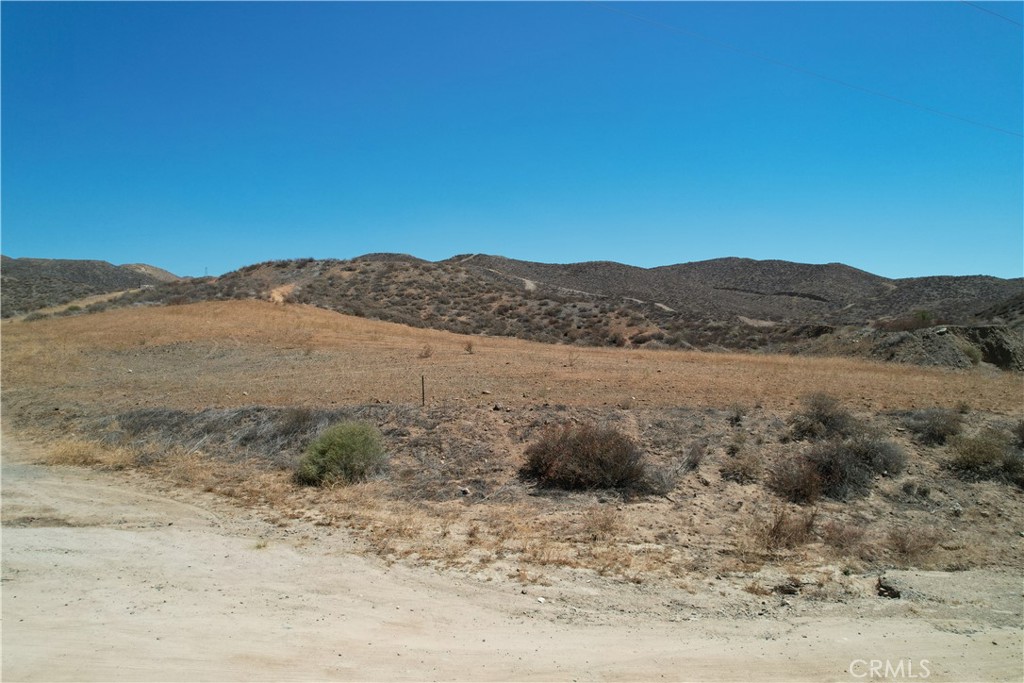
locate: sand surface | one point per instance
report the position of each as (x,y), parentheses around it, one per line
(107,576)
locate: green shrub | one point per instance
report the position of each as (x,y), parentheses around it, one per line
(935,426)
(973,353)
(581,457)
(990,454)
(348,452)
(822,417)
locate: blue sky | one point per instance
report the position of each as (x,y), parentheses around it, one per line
(201,137)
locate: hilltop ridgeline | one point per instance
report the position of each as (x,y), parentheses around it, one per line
(722,304)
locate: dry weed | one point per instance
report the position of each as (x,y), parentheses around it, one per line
(84,453)
(742,468)
(843,536)
(600,523)
(914,543)
(784,529)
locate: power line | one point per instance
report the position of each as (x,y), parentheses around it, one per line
(995,14)
(799,69)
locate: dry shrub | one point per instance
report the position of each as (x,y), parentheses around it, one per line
(989,454)
(847,468)
(192,468)
(583,457)
(83,453)
(600,523)
(911,544)
(935,426)
(841,535)
(744,468)
(1018,433)
(797,480)
(785,529)
(823,417)
(694,457)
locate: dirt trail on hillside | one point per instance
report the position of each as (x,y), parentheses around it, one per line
(108,576)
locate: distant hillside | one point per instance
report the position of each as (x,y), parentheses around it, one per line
(737,304)
(777,291)
(28,284)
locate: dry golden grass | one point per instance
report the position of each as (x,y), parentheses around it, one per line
(257,353)
(249,352)
(83,453)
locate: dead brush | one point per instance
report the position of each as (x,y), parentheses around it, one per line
(583,457)
(823,417)
(607,560)
(913,543)
(544,551)
(84,453)
(695,455)
(192,468)
(843,536)
(784,529)
(742,468)
(600,523)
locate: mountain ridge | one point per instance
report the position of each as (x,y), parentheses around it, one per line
(721,304)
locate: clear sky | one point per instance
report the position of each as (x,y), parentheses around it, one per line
(206,136)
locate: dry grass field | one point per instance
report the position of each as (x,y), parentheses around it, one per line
(453,495)
(222,397)
(256,353)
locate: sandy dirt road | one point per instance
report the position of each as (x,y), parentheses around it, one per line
(107,577)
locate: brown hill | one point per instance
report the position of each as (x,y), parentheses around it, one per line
(28,284)
(152,271)
(779,291)
(726,303)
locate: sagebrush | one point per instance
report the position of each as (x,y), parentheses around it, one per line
(823,417)
(348,452)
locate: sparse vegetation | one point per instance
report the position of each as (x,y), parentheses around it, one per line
(913,543)
(797,480)
(842,535)
(583,457)
(989,454)
(348,452)
(847,468)
(452,497)
(823,417)
(83,453)
(936,425)
(785,529)
(839,469)
(742,468)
